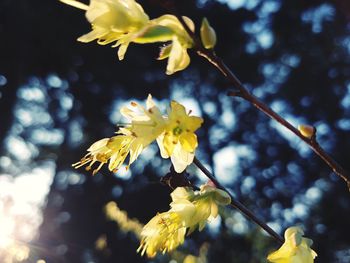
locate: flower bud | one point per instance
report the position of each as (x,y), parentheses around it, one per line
(307,130)
(208,35)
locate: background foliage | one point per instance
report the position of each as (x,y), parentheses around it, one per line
(58,96)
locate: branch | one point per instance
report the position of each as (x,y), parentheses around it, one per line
(245,94)
(236,204)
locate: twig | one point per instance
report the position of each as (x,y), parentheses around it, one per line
(236,204)
(245,94)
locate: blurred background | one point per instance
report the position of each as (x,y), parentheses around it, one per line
(58,96)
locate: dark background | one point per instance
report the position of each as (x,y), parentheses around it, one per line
(294,55)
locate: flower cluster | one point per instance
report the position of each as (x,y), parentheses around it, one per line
(296,248)
(189,210)
(174,134)
(124,21)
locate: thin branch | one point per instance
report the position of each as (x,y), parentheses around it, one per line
(245,94)
(236,204)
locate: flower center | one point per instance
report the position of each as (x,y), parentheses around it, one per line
(177,131)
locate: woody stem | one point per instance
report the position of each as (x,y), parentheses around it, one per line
(242,92)
(238,205)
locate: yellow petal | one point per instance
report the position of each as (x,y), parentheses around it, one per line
(98,145)
(181,158)
(122,50)
(178,58)
(119,146)
(188,141)
(178,113)
(172,22)
(295,249)
(177,109)
(135,150)
(160,142)
(164,52)
(193,123)
(169,143)
(99,10)
(214,211)
(292,231)
(92,35)
(185,209)
(181,193)
(75,4)
(128,113)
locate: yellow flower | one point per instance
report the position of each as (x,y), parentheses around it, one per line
(189,209)
(206,204)
(162,233)
(179,141)
(181,41)
(124,21)
(174,134)
(103,150)
(296,248)
(167,230)
(119,21)
(146,125)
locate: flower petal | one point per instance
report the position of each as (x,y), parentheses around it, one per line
(178,58)
(122,50)
(92,35)
(163,152)
(164,52)
(75,4)
(172,22)
(188,141)
(295,248)
(181,158)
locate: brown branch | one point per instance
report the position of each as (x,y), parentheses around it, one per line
(245,94)
(236,204)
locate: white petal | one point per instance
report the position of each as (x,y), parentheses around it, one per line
(126,112)
(163,152)
(181,159)
(150,103)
